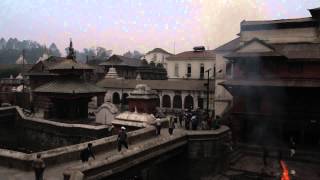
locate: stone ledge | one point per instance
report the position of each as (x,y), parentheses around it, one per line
(119,162)
(19,160)
(133,157)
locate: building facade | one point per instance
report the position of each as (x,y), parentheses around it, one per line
(191,64)
(158,56)
(173,95)
(223,99)
(275,80)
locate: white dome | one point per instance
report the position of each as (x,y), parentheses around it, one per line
(20,60)
(19,88)
(19,76)
(43,57)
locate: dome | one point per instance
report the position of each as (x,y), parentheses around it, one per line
(20,60)
(43,57)
(19,76)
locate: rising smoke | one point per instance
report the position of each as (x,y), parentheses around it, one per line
(221,18)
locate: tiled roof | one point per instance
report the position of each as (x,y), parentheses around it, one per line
(292,51)
(194,55)
(51,61)
(302,51)
(273,83)
(117,60)
(70,64)
(158,50)
(229,46)
(187,85)
(252,54)
(278,21)
(69,86)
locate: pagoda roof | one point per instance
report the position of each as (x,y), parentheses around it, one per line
(117,60)
(70,64)
(177,84)
(69,86)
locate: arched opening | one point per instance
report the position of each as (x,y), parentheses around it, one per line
(116,98)
(166,102)
(177,101)
(188,102)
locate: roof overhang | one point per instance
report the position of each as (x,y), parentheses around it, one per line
(272,83)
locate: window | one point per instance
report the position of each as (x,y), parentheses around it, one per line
(176,70)
(189,70)
(253,69)
(201,71)
(295,68)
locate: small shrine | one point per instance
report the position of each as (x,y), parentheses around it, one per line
(142,105)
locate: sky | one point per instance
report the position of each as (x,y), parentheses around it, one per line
(123,25)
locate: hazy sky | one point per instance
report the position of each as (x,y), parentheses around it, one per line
(123,25)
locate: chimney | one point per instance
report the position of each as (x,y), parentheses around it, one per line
(199,48)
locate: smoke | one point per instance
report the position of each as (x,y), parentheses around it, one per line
(221,18)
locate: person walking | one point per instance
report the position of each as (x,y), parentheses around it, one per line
(122,138)
(180,119)
(38,166)
(171,125)
(194,122)
(158,126)
(87,153)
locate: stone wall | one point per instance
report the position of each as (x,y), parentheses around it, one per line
(192,155)
(52,133)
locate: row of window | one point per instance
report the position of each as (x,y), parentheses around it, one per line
(189,70)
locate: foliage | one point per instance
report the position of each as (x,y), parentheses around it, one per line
(12,49)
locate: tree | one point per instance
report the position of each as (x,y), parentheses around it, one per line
(103,53)
(53,50)
(128,54)
(135,54)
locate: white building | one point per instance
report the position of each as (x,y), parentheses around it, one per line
(191,64)
(223,99)
(158,56)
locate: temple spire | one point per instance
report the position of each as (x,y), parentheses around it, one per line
(71,53)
